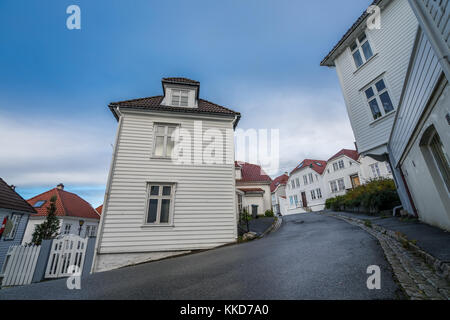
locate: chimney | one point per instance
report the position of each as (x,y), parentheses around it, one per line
(60,186)
(13,187)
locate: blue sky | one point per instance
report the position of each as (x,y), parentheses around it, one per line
(258,57)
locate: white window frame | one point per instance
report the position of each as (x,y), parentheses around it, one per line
(297,182)
(293,183)
(341,185)
(305,179)
(165,136)
(67,230)
(15,219)
(311,178)
(341,164)
(313,195)
(443,158)
(376,96)
(160,197)
(334,186)
(359,48)
(319,193)
(375,170)
(296,200)
(180,93)
(335,166)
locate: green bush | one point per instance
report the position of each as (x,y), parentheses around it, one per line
(376,195)
(269,213)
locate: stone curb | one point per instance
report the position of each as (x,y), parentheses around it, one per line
(274,227)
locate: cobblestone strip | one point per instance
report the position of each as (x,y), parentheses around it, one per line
(417,277)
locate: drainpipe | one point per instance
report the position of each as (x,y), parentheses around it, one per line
(408,192)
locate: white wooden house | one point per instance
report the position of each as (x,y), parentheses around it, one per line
(371,65)
(171,187)
(278,191)
(410,53)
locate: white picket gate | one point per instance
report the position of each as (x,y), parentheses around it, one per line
(66,251)
(19,265)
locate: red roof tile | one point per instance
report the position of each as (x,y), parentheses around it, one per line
(67,204)
(252,173)
(99,209)
(352,154)
(316,165)
(281,180)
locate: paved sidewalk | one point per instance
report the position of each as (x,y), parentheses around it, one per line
(260,225)
(433,240)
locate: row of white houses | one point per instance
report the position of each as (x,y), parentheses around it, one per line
(395,82)
(313,181)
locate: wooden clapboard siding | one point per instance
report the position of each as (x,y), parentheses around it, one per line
(439,12)
(392,46)
(422,78)
(204,214)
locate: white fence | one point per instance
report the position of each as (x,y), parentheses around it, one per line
(69,250)
(19,265)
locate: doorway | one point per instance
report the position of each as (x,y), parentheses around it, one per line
(304,202)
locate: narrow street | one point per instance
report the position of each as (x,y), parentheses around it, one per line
(309,257)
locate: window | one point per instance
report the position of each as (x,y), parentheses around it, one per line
(335,166)
(297,182)
(296,200)
(388,168)
(180,98)
(377,95)
(333,186)
(93,232)
(38,204)
(441,158)
(160,203)
(293,183)
(67,228)
(375,170)
(291,201)
(319,193)
(164,144)
(341,164)
(305,179)
(15,220)
(361,50)
(341,184)
(313,195)
(311,178)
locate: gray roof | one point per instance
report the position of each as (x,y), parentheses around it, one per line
(9,199)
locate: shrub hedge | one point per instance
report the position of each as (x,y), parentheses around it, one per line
(374,196)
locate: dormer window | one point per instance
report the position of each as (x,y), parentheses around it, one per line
(361,50)
(180,98)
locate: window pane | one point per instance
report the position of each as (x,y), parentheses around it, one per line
(353,46)
(154,191)
(362,37)
(160,129)
(441,157)
(170,145)
(184,101)
(166,191)
(386,101)
(380,85)
(375,109)
(165,206)
(159,146)
(367,50)
(358,59)
(152,209)
(170,130)
(369,93)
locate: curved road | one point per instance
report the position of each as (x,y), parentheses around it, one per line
(310,257)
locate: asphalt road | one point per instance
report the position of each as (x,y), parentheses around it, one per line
(309,257)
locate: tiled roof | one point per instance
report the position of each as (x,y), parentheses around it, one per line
(99,209)
(278,181)
(181,81)
(352,154)
(9,199)
(154,103)
(325,61)
(316,165)
(252,173)
(67,204)
(246,190)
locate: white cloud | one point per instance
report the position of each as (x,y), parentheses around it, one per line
(42,151)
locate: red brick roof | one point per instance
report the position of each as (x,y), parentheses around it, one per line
(99,209)
(10,199)
(352,154)
(316,165)
(281,180)
(252,173)
(67,204)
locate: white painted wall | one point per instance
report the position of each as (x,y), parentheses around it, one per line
(204,209)
(351,167)
(315,204)
(264,202)
(392,46)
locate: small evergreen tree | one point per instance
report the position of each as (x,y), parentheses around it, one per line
(49,228)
